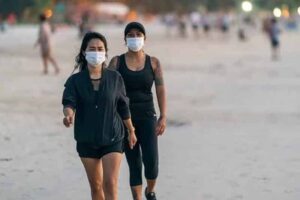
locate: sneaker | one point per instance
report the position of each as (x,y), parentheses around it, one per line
(150,195)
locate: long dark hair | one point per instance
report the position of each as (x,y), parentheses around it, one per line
(80,60)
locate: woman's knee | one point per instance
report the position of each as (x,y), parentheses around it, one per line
(96,186)
(110,184)
(151,170)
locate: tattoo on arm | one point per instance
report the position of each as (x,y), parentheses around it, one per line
(158,74)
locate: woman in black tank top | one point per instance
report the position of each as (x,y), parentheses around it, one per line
(139,72)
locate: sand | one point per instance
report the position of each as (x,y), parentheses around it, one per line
(233,118)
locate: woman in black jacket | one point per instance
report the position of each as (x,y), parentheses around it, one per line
(96,97)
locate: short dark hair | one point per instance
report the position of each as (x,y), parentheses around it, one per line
(80,58)
(42,17)
(134,25)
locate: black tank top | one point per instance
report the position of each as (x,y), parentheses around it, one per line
(138,88)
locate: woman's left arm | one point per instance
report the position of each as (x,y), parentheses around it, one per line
(161,95)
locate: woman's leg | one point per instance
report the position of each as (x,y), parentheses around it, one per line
(111,167)
(54,63)
(93,168)
(149,146)
(45,63)
(134,160)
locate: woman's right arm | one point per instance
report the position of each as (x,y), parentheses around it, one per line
(69,102)
(69,116)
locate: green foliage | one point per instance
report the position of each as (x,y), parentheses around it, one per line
(19,6)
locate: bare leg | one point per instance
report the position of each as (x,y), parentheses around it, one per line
(137,192)
(150,185)
(275,53)
(94,171)
(45,63)
(53,61)
(111,168)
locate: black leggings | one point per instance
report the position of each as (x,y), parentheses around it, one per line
(145,150)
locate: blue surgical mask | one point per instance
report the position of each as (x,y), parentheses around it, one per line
(95,58)
(135,44)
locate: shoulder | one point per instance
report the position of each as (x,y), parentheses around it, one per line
(74,78)
(78,75)
(113,63)
(155,62)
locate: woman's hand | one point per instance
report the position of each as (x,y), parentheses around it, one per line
(68,121)
(69,116)
(131,138)
(161,125)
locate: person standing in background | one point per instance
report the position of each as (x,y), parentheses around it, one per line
(44,41)
(274,32)
(195,19)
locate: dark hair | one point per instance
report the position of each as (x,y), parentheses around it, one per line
(134,25)
(80,60)
(273,20)
(42,17)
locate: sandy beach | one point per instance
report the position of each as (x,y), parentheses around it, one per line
(233,118)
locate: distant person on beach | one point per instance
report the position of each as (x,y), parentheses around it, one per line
(274,32)
(169,21)
(242,34)
(2,24)
(195,19)
(139,72)
(224,24)
(182,28)
(96,96)
(44,41)
(206,23)
(85,25)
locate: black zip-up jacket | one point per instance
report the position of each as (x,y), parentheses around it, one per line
(97,122)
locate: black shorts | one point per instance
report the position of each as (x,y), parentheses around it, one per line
(206,28)
(195,27)
(274,43)
(224,29)
(87,150)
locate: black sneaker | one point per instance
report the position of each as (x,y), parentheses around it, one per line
(150,195)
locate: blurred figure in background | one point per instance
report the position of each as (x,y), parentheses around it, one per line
(12,19)
(206,24)
(181,20)
(195,18)
(242,34)
(274,32)
(84,25)
(266,25)
(169,20)
(44,41)
(2,24)
(224,24)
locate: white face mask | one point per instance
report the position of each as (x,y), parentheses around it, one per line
(135,44)
(95,58)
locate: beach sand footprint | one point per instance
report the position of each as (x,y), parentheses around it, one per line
(5,159)
(177,123)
